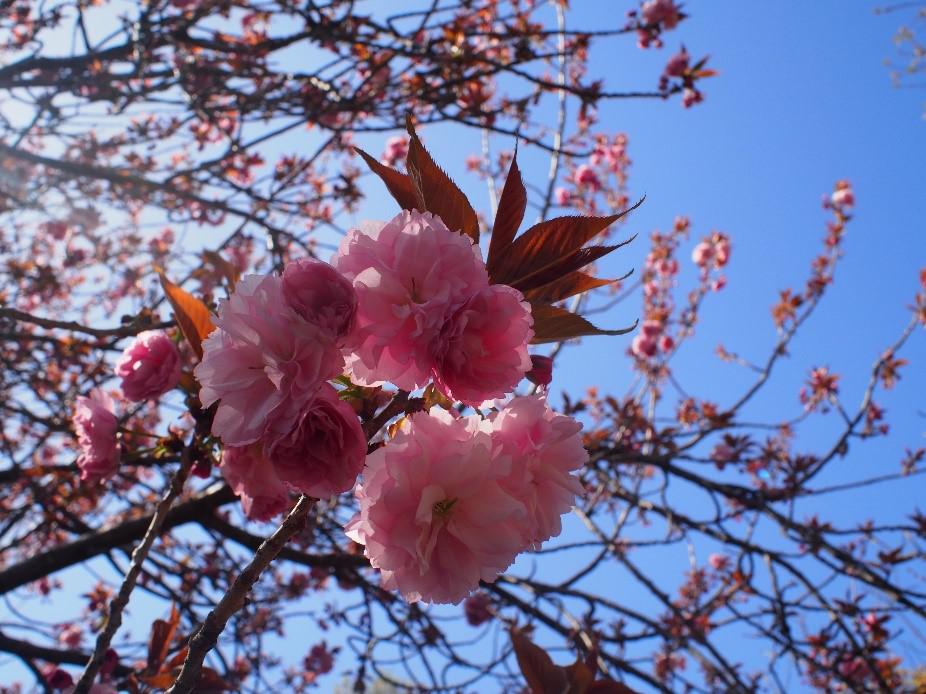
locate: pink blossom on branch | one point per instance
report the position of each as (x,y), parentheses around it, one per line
(481,351)
(545,449)
(321,296)
(410,276)
(324,452)
(253,478)
(96,426)
(433,517)
(263,361)
(149,366)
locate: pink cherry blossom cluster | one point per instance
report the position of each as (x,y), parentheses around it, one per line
(654,17)
(277,343)
(452,500)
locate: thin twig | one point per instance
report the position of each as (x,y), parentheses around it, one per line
(114,616)
(207,635)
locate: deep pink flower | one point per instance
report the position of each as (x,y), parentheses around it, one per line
(324,452)
(585,176)
(410,275)
(321,295)
(481,352)
(96,426)
(545,448)
(433,516)
(563,197)
(253,478)
(149,366)
(263,360)
(677,64)
(643,345)
(56,678)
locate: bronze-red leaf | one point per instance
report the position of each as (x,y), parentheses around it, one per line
(400,185)
(546,243)
(566,286)
(192,315)
(437,193)
(553,324)
(509,215)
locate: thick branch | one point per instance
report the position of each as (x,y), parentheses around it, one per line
(100,542)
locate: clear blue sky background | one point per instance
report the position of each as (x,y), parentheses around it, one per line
(801,101)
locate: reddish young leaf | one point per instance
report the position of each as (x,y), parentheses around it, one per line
(566,286)
(400,185)
(609,687)
(547,242)
(162,680)
(580,677)
(162,633)
(565,265)
(192,315)
(543,677)
(552,324)
(509,215)
(437,193)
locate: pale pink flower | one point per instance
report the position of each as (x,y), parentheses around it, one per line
(320,295)
(253,478)
(433,516)
(702,254)
(410,275)
(262,361)
(71,635)
(664,12)
(843,195)
(324,452)
(563,197)
(96,426)
(545,449)
(149,366)
(481,352)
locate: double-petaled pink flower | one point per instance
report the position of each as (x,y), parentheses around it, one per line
(450,500)
(96,425)
(433,516)
(426,310)
(263,361)
(149,367)
(322,454)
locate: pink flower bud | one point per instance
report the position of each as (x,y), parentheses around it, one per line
(541,372)
(562,197)
(149,366)
(677,64)
(477,609)
(666,343)
(651,328)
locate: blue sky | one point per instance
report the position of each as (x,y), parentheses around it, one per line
(802,100)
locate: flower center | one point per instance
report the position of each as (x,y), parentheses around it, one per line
(442,508)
